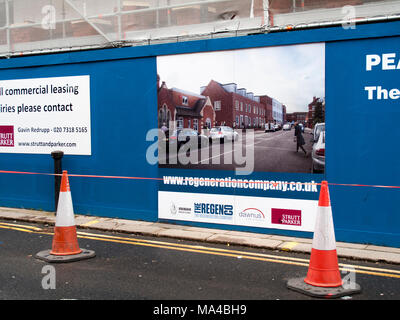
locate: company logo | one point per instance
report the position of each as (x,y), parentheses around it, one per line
(253,214)
(180,210)
(172,208)
(213,210)
(286,216)
(6,136)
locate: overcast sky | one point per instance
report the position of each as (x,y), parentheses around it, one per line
(291,74)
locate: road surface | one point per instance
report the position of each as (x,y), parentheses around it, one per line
(131,267)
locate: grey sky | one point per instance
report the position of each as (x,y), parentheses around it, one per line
(291,74)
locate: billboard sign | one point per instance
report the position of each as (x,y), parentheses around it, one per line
(250,117)
(41,115)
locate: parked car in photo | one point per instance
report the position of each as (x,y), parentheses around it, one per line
(223,133)
(317,130)
(268,127)
(183,136)
(278,127)
(287,127)
(318,153)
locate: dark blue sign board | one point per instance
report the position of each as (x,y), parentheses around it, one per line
(362,113)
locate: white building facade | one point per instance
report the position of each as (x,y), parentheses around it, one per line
(277,111)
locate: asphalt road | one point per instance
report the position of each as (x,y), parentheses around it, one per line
(130,267)
(268,152)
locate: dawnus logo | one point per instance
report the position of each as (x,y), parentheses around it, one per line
(252,214)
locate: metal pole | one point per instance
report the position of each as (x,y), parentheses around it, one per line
(119,20)
(57,156)
(83,15)
(266,14)
(8,32)
(63,20)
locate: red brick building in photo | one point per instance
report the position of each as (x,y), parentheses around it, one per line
(284,113)
(297,116)
(235,107)
(182,109)
(267,102)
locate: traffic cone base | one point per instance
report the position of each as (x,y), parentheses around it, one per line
(299,285)
(65,246)
(323,276)
(45,255)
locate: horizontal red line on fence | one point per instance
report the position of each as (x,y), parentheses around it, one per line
(194,179)
(79,175)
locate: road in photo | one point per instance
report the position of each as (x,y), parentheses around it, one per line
(270,151)
(276,151)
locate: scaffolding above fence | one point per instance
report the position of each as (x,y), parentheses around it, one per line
(42,26)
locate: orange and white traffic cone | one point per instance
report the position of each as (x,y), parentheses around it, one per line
(65,241)
(323,270)
(323,277)
(65,246)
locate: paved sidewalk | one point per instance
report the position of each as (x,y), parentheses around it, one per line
(274,242)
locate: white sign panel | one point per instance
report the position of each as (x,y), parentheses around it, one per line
(275,213)
(41,115)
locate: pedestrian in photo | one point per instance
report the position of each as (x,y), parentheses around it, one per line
(165,130)
(164,127)
(299,138)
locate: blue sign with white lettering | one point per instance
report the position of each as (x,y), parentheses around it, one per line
(362,132)
(361,95)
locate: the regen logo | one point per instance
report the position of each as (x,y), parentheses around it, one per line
(213,210)
(286,216)
(6,136)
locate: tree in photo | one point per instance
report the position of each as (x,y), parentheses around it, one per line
(319,115)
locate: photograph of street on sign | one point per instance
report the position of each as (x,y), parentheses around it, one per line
(260,109)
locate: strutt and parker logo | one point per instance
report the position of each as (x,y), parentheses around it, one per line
(286,216)
(6,136)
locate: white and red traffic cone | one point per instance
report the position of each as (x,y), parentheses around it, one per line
(323,270)
(65,246)
(323,277)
